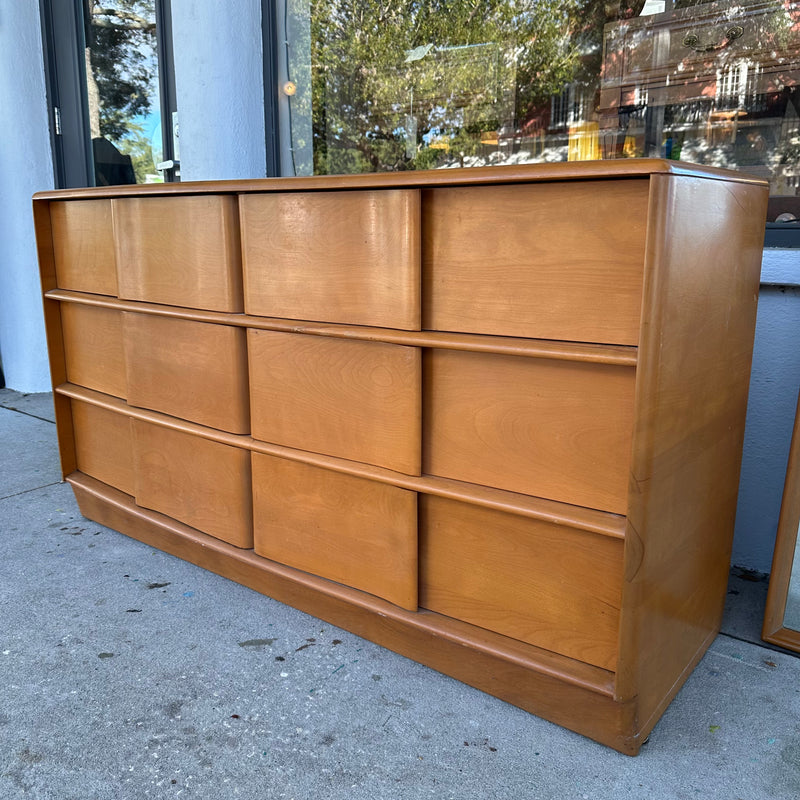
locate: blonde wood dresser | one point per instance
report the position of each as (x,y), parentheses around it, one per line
(491,419)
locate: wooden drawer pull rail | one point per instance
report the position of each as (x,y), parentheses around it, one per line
(504,345)
(599,522)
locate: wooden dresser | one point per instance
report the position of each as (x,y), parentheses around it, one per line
(491,419)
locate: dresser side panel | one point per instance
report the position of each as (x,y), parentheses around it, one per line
(46,247)
(701,289)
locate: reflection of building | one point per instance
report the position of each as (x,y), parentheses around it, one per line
(714,75)
(572,106)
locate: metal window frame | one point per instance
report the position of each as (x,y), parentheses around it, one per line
(166,86)
(63,41)
(785,235)
(270,45)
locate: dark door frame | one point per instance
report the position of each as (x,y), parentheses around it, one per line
(270,39)
(64,43)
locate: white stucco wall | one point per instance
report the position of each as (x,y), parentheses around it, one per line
(771,408)
(219,83)
(26,166)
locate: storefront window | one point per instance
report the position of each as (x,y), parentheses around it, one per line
(383,85)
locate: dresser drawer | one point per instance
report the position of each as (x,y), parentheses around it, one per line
(93,348)
(348,257)
(354,531)
(204,484)
(180,251)
(104,445)
(192,370)
(352,399)
(547,261)
(554,429)
(549,585)
(83,246)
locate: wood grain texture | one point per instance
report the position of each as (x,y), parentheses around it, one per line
(551,686)
(104,445)
(45,248)
(351,257)
(547,585)
(511,260)
(351,399)
(349,530)
(93,348)
(704,257)
(188,369)
(503,345)
(83,239)
(204,484)
(181,251)
(549,511)
(556,430)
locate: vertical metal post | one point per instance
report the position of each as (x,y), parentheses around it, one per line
(270,43)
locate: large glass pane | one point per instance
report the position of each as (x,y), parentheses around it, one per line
(371,85)
(122,89)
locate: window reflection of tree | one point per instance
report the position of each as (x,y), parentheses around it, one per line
(121,75)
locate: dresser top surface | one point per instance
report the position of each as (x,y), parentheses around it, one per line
(473,176)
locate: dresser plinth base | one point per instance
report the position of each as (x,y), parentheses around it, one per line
(579,698)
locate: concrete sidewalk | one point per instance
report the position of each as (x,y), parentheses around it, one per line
(126,673)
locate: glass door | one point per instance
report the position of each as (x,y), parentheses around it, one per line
(111,88)
(123,90)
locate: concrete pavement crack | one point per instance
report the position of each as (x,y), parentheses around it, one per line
(28,414)
(27,491)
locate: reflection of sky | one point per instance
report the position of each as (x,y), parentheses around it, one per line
(150,127)
(148,124)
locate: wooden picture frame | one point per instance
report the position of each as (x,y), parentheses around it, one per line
(777,629)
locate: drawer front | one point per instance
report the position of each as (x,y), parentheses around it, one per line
(104,445)
(180,251)
(83,246)
(204,484)
(346,257)
(350,530)
(548,585)
(192,370)
(553,429)
(93,348)
(351,399)
(548,261)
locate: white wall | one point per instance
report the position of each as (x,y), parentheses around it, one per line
(25,167)
(771,408)
(219,83)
